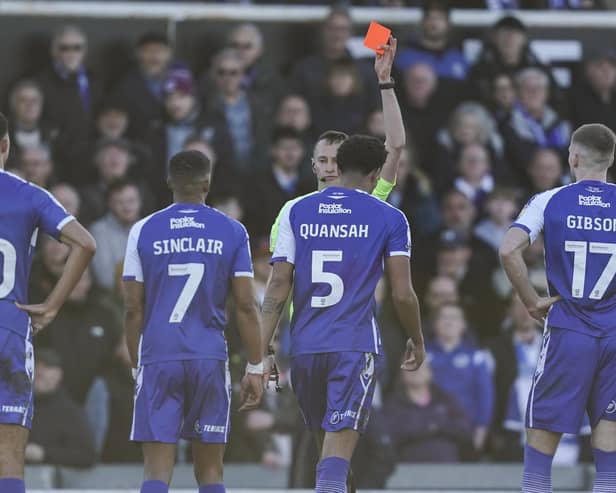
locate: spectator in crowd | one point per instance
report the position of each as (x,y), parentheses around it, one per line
(343,103)
(229,205)
(463,370)
(47,267)
(501,208)
(84,334)
(501,97)
(261,81)
(113,160)
(121,388)
(505,51)
(533,124)
(71,94)
(308,74)
(545,171)
(112,121)
(222,179)
(440,290)
(375,124)
(470,123)
(111,231)
(425,104)
(266,193)
(141,90)
(424,423)
(294,112)
(413,195)
(475,178)
(593,98)
(36,166)
(68,196)
(247,120)
(433,45)
(27,127)
(60,435)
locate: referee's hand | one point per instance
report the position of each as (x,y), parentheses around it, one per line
(252,390)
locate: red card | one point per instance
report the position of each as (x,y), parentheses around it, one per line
(376,36)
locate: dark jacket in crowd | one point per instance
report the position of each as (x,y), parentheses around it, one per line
(84,335)
(61,428)
(65,110)
(433,433)
(587,107)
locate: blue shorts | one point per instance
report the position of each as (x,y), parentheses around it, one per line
(16,376)
(188,399)
(334,390)
(576,373)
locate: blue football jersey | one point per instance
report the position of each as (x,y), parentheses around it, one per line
(337,240)
(186,256)
(24,210)
(579,225)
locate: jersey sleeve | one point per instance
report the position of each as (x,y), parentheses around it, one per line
(399,241)
(284,250)
(531,217)
(383,189)
(276,225)
(52,217)
(133,270)
(242,263)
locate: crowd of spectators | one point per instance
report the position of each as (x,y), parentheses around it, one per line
(482,138)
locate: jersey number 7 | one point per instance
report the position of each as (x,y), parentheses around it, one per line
(194,272)
(580,251)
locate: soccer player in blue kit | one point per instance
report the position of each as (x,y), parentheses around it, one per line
(576,372)
(331,249)
(25,210)
(180,264)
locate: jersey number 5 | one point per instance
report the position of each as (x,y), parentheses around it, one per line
(194,272)
(319,257)
(580,251)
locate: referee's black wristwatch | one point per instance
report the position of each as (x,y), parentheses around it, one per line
(387,85)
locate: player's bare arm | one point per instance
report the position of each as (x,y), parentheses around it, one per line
(406,305)
(514,243)
(134,307)
(83,248)
(276,295)
(249,325)
(395,138)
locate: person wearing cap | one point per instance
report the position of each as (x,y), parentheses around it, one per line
(506,50)
(141,90)
(593,98)
(61,434)
(433,46)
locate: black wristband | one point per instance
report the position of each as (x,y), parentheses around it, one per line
(387,85)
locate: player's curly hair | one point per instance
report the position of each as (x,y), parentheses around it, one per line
(362,154)
(188,166)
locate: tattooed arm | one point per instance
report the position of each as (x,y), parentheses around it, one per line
(276,295)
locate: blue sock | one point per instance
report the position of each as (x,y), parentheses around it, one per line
(537,476)
(12,485)
(332,474)
(212,488)
(153,486)
(605,480)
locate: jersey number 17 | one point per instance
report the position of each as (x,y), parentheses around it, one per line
(580,250)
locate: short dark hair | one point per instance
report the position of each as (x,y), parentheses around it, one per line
(152,37)
(120,184)
(4,126)
(189,166)
(598,139)
(361,153)
(332,137)
(281,133)
(440,5)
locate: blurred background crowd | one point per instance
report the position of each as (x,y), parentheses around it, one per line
(482,138)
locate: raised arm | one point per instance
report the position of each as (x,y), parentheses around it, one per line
(406,305)
(83,248)
(395,137)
